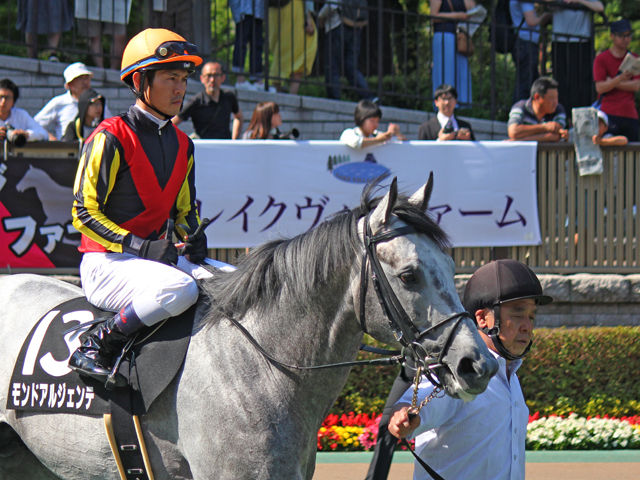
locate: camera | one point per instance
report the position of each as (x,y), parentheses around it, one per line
(290,135)
(448,128)
(18,139)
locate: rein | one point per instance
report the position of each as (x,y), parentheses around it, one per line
(380,361)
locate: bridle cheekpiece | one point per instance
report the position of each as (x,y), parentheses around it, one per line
(404,329)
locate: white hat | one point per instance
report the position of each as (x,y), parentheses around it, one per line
(603,116)
(74,71)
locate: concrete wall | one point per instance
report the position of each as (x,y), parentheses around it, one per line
(580,300)
(315,118)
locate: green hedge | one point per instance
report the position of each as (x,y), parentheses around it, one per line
(588,370)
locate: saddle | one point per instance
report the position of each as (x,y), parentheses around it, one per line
(41,380)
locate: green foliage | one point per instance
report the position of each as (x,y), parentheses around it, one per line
(589,371)
(367,387)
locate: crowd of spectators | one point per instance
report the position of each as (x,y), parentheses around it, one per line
(541,109)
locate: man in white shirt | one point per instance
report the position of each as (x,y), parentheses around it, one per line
(452,434)
(15,120)
(63,109)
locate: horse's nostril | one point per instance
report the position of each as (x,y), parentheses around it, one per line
(466,367)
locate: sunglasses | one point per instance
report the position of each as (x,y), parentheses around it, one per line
(176,49)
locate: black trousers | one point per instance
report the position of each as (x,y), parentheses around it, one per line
(624,126)
(386,443)
(572,69)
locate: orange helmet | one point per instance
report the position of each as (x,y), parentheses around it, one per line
(155,49)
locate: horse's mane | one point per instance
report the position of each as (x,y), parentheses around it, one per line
(310,259)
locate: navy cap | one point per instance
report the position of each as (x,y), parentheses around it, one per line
(502,281)
(620,26)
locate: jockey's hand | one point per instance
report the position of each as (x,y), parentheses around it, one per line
(163,251)
(195,249)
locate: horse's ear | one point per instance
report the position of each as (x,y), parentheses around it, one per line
(380,216)
(421,198)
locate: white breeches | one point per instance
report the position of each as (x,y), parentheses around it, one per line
(157,291)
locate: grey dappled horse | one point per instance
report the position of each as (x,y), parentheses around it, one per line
(230,413)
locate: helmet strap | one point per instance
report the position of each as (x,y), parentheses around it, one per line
(494,335)
(139,93)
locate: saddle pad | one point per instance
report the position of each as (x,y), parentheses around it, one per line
(42,381)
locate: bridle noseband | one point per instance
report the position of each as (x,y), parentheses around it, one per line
(405,330)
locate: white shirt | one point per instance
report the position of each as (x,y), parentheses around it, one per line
(21,120)
(331,17)
(59,112)
(352,137)
(481,439)
(161,123)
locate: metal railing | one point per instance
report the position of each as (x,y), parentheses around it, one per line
(396,56)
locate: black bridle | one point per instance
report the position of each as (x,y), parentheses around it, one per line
(404,329)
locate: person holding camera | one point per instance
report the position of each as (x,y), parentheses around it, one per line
(264,122)
(445,126)
(16,125)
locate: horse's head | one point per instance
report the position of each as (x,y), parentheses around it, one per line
(414,291)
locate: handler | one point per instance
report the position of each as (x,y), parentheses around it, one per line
(136,171)
(452,435)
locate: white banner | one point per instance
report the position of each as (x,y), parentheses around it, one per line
(484,192)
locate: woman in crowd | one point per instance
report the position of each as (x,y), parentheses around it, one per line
(293,41)
(449,66)
(365,134)
(264,122)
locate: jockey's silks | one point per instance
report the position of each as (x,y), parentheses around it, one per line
(132,177)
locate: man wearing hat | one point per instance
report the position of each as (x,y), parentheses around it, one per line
(63,109)
(452,433)
(617,89)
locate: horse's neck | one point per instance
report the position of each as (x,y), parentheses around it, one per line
(321,331)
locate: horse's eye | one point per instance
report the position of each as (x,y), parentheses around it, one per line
(408,278)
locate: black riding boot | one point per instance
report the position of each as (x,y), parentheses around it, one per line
(104,342)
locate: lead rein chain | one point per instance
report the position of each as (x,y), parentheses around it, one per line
(415,408)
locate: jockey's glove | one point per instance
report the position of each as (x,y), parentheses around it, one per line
(163,251)
(195,249)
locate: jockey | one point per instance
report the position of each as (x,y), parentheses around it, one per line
(136,172)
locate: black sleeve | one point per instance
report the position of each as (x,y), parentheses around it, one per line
(70,132)
(234,104)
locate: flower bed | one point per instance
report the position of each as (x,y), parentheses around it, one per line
(579,433)
(358,432)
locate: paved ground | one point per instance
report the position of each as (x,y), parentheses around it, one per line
(535,471)
(581,466)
